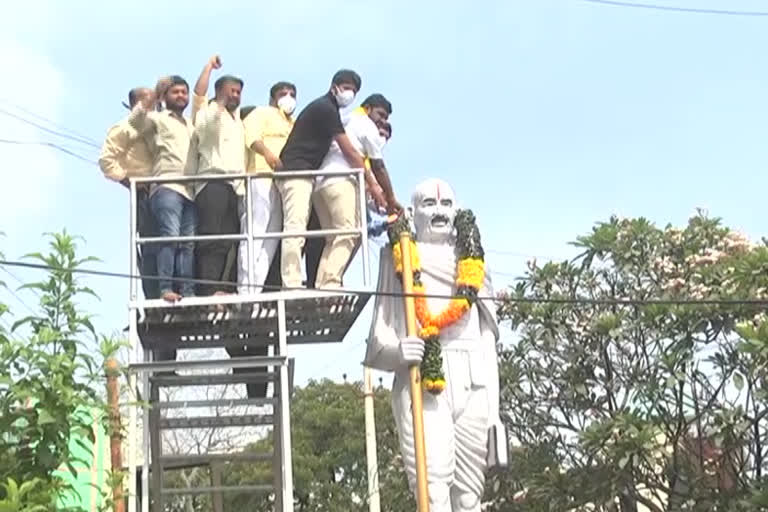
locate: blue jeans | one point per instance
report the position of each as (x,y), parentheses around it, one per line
(174,215)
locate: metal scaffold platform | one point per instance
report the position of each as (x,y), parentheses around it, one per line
(310,317)
(261,326)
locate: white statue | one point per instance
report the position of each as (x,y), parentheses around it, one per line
(463,432)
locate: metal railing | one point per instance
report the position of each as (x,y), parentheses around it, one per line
(247,235)
(142,364)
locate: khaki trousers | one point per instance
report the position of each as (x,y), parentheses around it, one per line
(296,194)
(336,207)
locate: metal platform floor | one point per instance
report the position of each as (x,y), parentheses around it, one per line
(311,319)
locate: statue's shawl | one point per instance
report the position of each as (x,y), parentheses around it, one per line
(388,325)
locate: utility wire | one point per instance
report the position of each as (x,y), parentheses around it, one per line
(50,145)
(86,140)
(351,291)
(15,294)
(81,137)
(48,130)
(695,10)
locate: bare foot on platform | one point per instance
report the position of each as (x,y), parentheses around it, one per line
(171,296)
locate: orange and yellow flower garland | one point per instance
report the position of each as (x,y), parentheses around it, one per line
(470,274)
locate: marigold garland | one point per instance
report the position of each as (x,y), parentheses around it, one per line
(470,274)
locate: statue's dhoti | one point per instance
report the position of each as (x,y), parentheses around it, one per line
(456,427)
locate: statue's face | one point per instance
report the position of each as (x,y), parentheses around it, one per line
(434,208)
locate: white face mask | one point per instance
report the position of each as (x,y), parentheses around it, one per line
(287,104)
(344,98)
(434,210)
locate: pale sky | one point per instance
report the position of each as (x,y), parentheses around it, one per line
(545,115)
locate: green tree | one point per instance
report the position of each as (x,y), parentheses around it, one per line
(47,377)
(629,398)
(329,462)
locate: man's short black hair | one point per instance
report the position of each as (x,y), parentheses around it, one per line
(347,76)
(378,100)
(177,80)
(244,111)
(281,85)
(227,78)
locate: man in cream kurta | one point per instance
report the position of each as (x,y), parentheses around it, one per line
(168,133)
(125,155)
(220,140)
(459,422)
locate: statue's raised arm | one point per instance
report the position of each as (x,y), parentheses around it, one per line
(456,347)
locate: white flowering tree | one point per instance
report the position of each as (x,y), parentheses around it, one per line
(620,393)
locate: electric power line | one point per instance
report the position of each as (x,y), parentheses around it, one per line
(48,130)
(695,10)
(16,294)
(351,291)
(87,140)
(50,145)
(83,138)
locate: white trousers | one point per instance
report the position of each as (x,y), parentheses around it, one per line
(455,432)
(267,213)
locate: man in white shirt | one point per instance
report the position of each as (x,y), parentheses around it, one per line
(220,140)
(336,198)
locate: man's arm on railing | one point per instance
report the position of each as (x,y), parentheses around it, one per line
(369,138)
(382,178)
(354,158)
(356,161)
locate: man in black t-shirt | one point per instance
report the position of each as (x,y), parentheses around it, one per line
(316,128)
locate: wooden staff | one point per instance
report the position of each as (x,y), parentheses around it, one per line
(417,407)
(115,437)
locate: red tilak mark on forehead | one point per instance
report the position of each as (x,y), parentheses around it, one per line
(437,185)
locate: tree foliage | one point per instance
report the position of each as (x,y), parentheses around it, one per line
(48,378)
(638,382)
(633,397)
(329,459)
